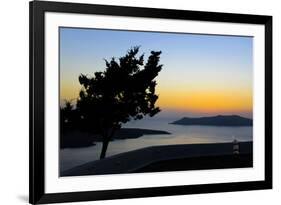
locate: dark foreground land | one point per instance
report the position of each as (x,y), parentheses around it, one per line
(200,163)
(169,158)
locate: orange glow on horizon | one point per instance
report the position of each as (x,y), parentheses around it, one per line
(207,101)
(198,100)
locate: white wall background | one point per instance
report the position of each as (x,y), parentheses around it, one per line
(14,84)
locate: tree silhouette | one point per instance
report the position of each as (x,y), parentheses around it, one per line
(68,116)
(122,92)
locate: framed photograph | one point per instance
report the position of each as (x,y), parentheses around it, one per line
(130,102)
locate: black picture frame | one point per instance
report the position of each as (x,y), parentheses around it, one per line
(37,194)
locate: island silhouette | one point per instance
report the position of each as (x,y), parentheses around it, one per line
(219,120)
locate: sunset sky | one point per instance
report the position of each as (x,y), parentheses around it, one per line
(201,75)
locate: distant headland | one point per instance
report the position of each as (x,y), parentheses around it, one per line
(219,120)
(76,138)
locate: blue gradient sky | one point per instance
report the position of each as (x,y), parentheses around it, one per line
(202,74)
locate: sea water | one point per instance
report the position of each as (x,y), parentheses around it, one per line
(180,134)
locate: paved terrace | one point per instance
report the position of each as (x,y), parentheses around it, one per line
(130,161)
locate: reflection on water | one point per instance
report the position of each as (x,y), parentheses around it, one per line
(179,135)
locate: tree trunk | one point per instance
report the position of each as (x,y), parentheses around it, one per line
(105,142)
(104,148)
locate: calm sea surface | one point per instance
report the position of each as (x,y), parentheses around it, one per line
(180,134)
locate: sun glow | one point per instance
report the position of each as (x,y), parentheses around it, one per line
(211,101)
